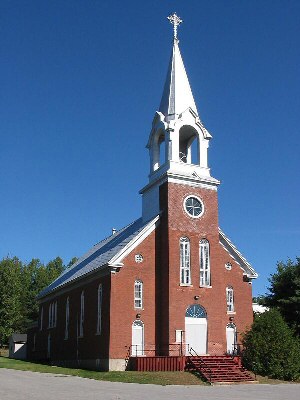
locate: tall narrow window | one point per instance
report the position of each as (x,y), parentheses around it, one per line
(185,261)
(50,316)
(41,318)
(99,310)
(67,319)
(229,299)
(55,314)
(204,263)
(81,314)
(138,294)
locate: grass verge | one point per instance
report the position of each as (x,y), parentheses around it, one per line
(156,378)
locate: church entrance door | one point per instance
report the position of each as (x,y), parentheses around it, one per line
(137,348)
(196,330)
(231,338)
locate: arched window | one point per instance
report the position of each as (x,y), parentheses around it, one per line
(138,294)
(67,319)
(41,318)
(204,263)
(81,319)
(229,299)
(50,316)
(55,314)
(99,309)
(185,261)
(195,311)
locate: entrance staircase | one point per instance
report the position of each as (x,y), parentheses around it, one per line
(218,369)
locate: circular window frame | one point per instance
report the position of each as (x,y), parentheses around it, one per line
(200,201)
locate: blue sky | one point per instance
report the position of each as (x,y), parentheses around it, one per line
(80,83)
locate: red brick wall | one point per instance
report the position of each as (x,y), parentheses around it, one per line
(91,345)
(177,224)
(123,312)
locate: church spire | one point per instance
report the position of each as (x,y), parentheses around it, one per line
(177,95)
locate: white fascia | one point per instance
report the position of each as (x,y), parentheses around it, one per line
(238,257)
(116,261)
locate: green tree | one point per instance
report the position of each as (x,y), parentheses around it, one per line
(285,292)
(11,316)
(270,347)
(72,261)
(36,277)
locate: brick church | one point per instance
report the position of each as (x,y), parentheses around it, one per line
(170,282)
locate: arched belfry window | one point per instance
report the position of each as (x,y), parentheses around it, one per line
(189,145)
(185,261)
(158,150)
(204,263)
(195,311)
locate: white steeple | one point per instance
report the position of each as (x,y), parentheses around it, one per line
(178,142)
(177,95)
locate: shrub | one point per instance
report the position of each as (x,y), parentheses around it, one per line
(270,347)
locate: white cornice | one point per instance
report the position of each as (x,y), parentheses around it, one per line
(237,256)
(139,238)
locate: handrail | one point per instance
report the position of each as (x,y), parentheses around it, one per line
(136,350)
(202,362)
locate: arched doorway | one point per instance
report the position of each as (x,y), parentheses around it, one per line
(196,329)
(137,348)
(231,338)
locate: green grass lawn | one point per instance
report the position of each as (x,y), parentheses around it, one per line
(156,378)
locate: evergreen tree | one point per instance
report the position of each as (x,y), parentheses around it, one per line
(11,316)
(270,347)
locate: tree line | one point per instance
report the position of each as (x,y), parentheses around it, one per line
(20,284)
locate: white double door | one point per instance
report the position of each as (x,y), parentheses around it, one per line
(196,335)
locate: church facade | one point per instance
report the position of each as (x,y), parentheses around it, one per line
(169,283)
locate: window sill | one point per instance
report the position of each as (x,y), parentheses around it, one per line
(231,312)
(205,286)
(98,333)
(186,285)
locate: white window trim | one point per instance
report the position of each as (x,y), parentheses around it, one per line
(99,309)
(67,319)
(204,258)
(81,319)
(185,261)
(230,299)
(41,318)
(138,299)
(201,202)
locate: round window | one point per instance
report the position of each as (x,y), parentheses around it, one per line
(193,206)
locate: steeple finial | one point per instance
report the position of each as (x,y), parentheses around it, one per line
(175,21)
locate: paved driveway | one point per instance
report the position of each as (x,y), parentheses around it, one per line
(21,385)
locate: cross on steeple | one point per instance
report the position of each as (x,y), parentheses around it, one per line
(175,21)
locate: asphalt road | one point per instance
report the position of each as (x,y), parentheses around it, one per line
(23,385)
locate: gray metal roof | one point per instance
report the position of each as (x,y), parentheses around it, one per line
(98,256)
(19,337)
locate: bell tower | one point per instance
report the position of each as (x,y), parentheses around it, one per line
(178,142)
